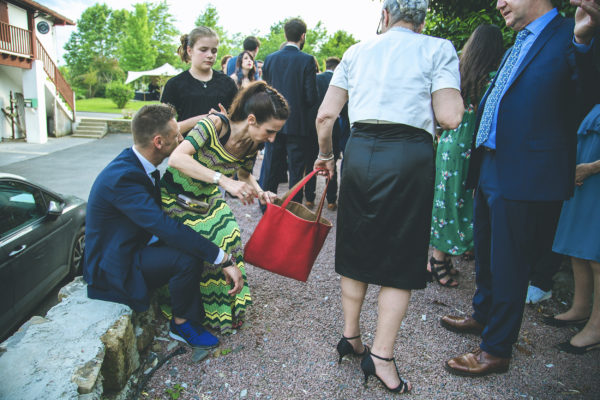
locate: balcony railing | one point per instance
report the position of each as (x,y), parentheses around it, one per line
(56,77)
(15,40)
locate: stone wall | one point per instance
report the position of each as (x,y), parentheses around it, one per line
(119,125)
(83,349)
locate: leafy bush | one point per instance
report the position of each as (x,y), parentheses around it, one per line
(119,93)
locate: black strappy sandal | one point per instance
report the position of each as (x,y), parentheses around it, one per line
(344,347)
(368,368)
(450,268)
(440,272)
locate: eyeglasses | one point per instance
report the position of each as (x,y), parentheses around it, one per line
(380,25)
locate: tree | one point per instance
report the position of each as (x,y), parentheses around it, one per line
(164,34)
(272,42)
(336,45)
(455,20)
(315,39)
(210,19)
(137,50)
(101,72)
(97,34)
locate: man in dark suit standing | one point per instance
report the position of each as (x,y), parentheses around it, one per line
(132,246)
(293,74)
(523,167)
(323,80)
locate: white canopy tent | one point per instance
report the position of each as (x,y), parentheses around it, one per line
(164,70)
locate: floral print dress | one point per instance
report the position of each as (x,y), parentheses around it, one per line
(452,216)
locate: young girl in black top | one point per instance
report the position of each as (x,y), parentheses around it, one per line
(196,91)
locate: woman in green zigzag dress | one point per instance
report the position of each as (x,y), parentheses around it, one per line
(209,156)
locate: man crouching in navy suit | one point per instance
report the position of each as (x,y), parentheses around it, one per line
(523,167)
(133,247)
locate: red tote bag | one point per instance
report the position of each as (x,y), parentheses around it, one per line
(289,237)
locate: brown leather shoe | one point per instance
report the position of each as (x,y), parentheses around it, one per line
(461,324)
(477,363)
(310,204)
(332,206)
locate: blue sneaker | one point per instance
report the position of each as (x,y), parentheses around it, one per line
(536,295)
(195,336)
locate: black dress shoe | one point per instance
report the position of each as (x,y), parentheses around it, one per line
(569,348)
(560,323)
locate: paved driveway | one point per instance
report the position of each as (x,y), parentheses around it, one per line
(67,165)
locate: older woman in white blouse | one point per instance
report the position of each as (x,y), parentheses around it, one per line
(398,85)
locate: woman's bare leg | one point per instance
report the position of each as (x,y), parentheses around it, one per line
(392,306)
(353,295)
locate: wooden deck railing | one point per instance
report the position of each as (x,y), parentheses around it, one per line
(56,77)
(15,40)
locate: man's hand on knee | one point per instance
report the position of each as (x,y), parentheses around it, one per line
(233,274)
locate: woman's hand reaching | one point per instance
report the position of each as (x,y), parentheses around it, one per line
(239,189)
(266,197)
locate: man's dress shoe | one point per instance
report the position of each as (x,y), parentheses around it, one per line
(461,324)
(477,363)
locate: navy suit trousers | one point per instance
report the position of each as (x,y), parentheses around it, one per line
(161,265)
(507,241)
(274,161)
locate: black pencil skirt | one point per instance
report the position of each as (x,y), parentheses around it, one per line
(385,202)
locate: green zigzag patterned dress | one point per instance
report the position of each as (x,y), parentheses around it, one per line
(218,224)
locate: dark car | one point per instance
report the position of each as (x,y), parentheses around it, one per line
(41,242)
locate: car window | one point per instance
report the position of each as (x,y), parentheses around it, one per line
(20,204)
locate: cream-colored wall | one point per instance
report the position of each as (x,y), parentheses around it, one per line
(49,39)
(10,80)
(17,16)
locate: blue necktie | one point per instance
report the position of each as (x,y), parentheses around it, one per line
(492,101)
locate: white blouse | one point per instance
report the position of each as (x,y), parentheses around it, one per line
(391,77)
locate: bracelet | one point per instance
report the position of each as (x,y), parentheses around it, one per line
(216,178)
(325,159)
(326,154)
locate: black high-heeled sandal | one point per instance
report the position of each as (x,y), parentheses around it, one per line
(344,347)
(438,273)
(368,368)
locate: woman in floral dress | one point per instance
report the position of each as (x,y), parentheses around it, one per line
(452,217)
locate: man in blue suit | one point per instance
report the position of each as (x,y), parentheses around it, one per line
(293,74)
(523,167)
(132,246)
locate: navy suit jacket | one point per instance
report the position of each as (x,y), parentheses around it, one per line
(293,74)
(122,215)
(538,116)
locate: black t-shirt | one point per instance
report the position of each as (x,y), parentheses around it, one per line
(192,97)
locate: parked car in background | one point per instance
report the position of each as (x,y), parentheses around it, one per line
(42,237)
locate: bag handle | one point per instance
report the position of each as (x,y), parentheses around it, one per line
(287,197)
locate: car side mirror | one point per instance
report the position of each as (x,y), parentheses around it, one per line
(55,209)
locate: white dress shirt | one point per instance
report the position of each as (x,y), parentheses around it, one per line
(391,77)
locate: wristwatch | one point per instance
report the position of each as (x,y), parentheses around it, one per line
(216,178)
(229,263)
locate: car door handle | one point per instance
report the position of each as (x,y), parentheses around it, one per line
(17,250)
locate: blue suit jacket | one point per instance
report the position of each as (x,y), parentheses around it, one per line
(122,215)
(293,74)
(538,117)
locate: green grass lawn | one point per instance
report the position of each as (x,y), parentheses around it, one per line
(97,104)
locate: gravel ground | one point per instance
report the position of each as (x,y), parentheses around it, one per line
(287,348)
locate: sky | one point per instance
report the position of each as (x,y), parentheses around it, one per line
(358,17)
